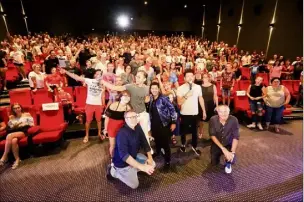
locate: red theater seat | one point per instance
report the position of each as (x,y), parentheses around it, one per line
(12,73)
(245,73)
(244,84)
(50,132)
(80,99)
(296,86)
(289,85)
(22,97)
(241,103)
(42,96)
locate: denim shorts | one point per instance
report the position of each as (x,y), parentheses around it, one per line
(226,92)
(256,106)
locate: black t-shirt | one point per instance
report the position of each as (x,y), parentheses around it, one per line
(2,55)
(73,82)
(256,91)
(238,73)
(50,63)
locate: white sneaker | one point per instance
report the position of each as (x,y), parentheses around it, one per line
(25,79)
(251,125)
(260,126)
(228,168)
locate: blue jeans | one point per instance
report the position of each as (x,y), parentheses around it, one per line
(278,114)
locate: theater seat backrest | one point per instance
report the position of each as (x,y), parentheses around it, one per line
(42,96)
(80,96)
(245,73)
(288,84)
(23,97)
(296,85)
(51,119)
(244,84)
(4,114)
(241,103)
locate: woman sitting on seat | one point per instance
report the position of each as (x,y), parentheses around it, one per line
(53,80)
(19,123)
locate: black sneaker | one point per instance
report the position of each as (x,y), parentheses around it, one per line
(109,176)
(182,149)
(196,151)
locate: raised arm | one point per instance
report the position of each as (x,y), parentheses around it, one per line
(73,76)
(113,87)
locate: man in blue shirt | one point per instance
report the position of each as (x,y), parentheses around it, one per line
(126,160)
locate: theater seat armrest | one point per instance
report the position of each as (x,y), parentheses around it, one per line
(33,130)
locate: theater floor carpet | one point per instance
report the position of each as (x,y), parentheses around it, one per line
(269,167)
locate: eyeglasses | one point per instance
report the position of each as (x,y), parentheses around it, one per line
(132,117)
(223,112)
(14,108)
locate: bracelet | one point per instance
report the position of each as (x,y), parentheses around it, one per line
(185,97)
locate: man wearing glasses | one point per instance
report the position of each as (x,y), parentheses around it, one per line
(126,160)
(138,91)
(224,133)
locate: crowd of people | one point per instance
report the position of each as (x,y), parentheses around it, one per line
(135,83)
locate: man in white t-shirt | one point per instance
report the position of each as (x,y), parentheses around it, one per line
(94,101)
(201,63)
(188,97)
(18,60)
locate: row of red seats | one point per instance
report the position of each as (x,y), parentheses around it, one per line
(12,73)
(42,96)
(44,132)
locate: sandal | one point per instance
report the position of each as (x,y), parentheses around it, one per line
(85,139)
(16,164)
(200,135)
(2,163)
(174,141)
(277,130)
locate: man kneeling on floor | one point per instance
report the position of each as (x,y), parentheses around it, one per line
(224,132)
(126,160)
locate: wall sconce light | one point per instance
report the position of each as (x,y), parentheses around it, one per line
(218,25)
(204,5)
(239,25)
(25,17)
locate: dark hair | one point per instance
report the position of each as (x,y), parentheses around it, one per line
(187,71)
(154,84)
(12,109)
(275,78)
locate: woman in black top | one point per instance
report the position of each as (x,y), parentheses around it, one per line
(255,95)
(116,112)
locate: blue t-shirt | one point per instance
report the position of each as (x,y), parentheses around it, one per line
(128,142)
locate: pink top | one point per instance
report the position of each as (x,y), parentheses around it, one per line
(276,72)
